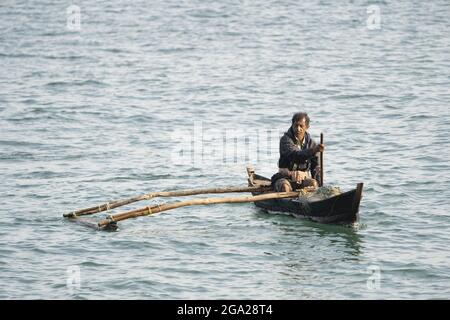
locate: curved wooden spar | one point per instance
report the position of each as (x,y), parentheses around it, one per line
(168,206)
(151,195)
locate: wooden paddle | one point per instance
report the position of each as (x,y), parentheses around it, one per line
(151,195)
(321,161)
(145,211)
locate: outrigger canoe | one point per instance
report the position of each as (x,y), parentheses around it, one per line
(339,209)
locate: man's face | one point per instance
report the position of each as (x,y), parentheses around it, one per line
(300,127)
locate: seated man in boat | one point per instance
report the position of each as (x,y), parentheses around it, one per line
(299,161)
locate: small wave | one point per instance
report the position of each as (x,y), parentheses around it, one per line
(175,50)
(358,96)
(56,33)
(15,143)
(92,264)
(423,116)
(17,55)
(17,156)
(206,13)
(76,83)
(70,58)
(324,91)
(29,101)
(393,116)
(6,252)
(44,174)
(115,50)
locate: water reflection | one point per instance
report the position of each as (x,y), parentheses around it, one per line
(347,235)
(310,255)
(297,229)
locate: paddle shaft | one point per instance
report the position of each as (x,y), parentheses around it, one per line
(168,206)
(151,195)
(321,161)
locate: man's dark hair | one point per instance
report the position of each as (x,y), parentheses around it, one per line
(299,116)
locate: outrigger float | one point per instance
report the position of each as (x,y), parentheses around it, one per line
(338,209)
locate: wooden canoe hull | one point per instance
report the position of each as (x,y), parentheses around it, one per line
(340,209)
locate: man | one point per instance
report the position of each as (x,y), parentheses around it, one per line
(299,162)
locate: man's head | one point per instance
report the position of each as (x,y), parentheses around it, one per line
(300,124)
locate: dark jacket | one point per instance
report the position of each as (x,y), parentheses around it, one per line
(296,157)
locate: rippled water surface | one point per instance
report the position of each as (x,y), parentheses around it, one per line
(101,113)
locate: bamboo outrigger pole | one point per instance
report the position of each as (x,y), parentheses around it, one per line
(103,224)
(151,195)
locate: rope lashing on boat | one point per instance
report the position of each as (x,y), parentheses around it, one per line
(149,210)
(108,206)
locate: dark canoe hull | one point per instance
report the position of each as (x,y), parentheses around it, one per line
(340,209)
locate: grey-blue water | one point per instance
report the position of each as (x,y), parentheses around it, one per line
(128,102)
